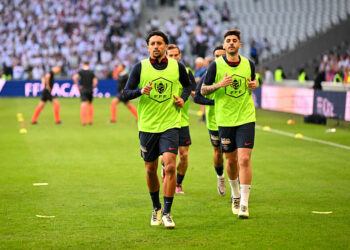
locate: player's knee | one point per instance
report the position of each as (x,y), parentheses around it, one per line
(151,169)
(244,161)
(170,169)
(217,151)
(184,155)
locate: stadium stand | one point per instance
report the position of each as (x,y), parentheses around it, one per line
(37,34)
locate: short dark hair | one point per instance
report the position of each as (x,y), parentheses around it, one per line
(157,33)
(173,46)
(218,48)
(235,32)
(86,62)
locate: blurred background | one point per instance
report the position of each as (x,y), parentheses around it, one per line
(302,39)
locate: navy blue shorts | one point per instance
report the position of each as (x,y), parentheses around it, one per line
(46,96)
(154,144)
(237,137)
(86,95)
(184,137)
(214,138)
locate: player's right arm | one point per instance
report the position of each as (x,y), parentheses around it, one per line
(208,87)
(131,90)
(198,98)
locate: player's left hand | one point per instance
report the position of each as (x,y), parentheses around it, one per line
(252,84)
(179,102)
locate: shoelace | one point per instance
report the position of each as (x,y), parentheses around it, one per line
(154,215)
(169,218)
(243,208)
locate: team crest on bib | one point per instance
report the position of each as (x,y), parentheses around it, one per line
(238,86)
(161,90)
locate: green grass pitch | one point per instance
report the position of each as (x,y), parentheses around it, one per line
(97,188)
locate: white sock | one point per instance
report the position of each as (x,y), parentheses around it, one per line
(221,176)
(234,188)
(245,191)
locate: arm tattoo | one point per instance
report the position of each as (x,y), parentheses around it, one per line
(208,89)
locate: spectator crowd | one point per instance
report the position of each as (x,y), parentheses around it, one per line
(37,34)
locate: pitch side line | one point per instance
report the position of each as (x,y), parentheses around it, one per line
(276,131)
(303,138)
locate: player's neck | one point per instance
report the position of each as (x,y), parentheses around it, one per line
(159,59)
(232,58)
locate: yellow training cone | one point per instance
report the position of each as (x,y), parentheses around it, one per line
(23,131)
(266,128)
(298,135)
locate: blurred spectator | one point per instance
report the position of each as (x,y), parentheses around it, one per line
(225,13)
(18,71)
(302,77)
(199,69)
(254,52)
(36,34)
(347,75)
(279,74)
(182,5)
(268,77)
(338,76)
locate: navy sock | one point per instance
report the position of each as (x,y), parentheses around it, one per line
(155,199)
(219,170)
(179,179)
(168,201)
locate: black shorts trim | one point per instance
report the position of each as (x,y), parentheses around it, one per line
(184,136)
(241,136)
(214,138)
(154,144)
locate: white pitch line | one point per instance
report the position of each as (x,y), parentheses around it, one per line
(45,216)
(318,212)
(276,131)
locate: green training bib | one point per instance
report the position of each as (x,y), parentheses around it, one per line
(157,111)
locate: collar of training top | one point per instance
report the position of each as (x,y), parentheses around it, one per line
(153,60)
(233,63)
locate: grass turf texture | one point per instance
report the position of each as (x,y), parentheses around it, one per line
(97,189)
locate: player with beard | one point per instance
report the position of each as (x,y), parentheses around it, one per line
(232,78)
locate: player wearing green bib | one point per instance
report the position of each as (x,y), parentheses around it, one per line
(157,81)
(208,101)
(173,51)
(232,78)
